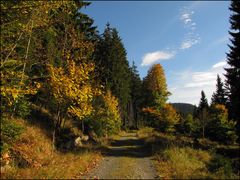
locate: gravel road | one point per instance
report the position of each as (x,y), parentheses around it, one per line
(126,158)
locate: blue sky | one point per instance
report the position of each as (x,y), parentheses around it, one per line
(189,39)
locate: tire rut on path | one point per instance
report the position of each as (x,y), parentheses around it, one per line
(126,158)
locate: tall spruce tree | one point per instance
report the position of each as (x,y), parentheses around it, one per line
(219,97)
(102,57)
(113,67)
(233,60)
(136,93)
(203,112)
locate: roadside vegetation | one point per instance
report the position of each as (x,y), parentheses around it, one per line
(66,90)
(182,157)
(31,156)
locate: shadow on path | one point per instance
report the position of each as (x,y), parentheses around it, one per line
(128,146)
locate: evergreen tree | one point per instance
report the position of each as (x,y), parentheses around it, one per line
(120,70)
(102,57)
(219,127)
(203,112)
(233,60)
(203,101)
(113,68)
(219,97)
(136,92)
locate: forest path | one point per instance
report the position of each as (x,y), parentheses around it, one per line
(127,157)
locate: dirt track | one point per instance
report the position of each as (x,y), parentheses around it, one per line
(126,158)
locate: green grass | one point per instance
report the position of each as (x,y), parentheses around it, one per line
(179,162)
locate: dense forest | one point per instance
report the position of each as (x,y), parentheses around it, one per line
(59,73)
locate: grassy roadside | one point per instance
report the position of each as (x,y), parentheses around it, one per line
(179,158)
(31,157)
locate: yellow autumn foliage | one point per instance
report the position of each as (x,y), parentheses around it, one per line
(73,86)
(165,119)
(15,84)
(106,117)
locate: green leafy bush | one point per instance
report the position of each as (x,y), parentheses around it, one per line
(106,118)
(10,131)
(189,126)
(220,165)
(219,127)
(168,119)
(21,107)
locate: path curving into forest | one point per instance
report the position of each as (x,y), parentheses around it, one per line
(126,158)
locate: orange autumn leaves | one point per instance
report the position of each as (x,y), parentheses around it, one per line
(155,80)
(157,110)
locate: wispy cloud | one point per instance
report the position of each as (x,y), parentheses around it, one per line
(191,37)
(186,17)
(188,84)
(201,79)
(189,42)
(153,57)
(219,64)
(199,84)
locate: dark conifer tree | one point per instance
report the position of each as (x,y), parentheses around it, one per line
(203,101)
(102,57)
(113,68)
(233,60)
(136,92)
(219,97)
(120,75)
(203,112)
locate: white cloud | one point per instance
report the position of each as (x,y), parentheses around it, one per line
(153,57)
(220,64)
(187,43)
(199,84)
(191,38)
(186,17)
(203,76)
(187,85)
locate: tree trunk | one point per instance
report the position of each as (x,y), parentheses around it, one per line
(53,140)
(82,127)
(130,111)
(203,131)
(55,128)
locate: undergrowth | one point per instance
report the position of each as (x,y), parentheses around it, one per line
(175,158)
(32,157)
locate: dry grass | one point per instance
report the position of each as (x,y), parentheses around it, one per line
(176,162)
(33,158)
(60,166)
(182,163)
(145,132)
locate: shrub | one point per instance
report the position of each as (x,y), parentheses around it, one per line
(168,119)
(10,131)
(21,107)
(220,128)
(164,118)
(106,118)
(220,166)
(190,126)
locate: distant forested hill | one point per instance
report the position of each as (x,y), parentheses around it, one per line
(184,108)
